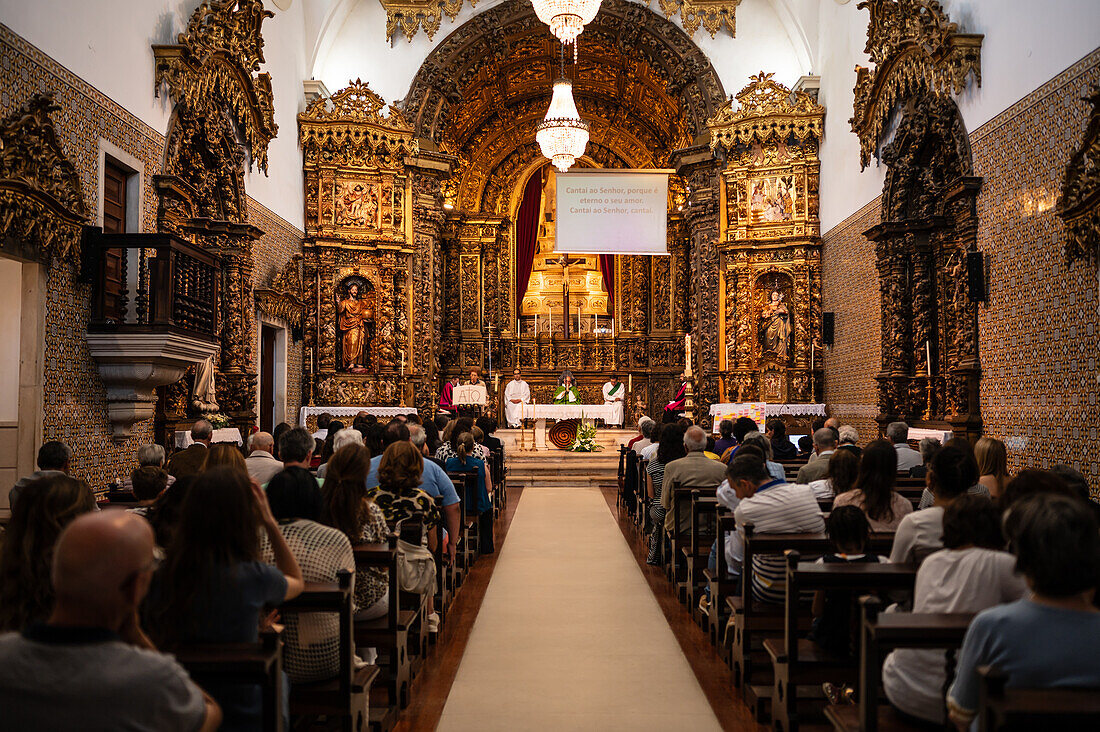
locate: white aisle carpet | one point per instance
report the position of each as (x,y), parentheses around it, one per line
(569,636)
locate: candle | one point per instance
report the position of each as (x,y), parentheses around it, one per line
(402,362)
(612,326)
(812,356)
(596,327)
(630,382)
(687,352)
(578,320)
(536,323)
(551,326)
(517,326)
(311,361)
(928,356)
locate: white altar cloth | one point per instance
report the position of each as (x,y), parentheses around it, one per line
(542,412)
(569,411)
(225,434)
(775,410)
(352,411)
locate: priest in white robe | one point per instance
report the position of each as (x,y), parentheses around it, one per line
(614,395)
(516,394)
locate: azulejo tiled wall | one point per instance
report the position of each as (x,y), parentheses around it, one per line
(75,408)
(849,284)
(1038,334)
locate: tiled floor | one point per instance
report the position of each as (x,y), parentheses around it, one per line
(569,636)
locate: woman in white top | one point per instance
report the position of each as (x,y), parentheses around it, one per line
(971,573)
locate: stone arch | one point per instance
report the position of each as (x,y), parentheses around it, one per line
(928,227)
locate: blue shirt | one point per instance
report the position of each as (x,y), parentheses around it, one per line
(1034,645)
(434,481)
(473,464)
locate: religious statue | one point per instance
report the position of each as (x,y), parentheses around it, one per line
(566,393)
(204,395)
(354,314)
(775,326)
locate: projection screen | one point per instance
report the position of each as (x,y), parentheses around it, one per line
(612,212)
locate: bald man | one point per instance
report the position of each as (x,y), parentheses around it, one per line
(90,666)
(261,462)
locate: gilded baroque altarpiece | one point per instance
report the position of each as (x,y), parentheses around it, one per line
(770,246)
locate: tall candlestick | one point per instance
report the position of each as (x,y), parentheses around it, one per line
(928,356)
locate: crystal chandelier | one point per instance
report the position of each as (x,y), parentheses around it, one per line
(566,18)
(562,135)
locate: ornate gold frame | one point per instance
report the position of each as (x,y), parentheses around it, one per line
(1079,204)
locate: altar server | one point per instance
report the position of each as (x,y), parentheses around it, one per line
(516,394)
(614,394)
(446,396)
(673,408)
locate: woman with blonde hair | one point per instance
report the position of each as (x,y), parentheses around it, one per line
(224,454)
(347,508)
(46,506)
(992,465)
(467,462)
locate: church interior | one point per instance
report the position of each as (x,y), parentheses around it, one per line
(251,250)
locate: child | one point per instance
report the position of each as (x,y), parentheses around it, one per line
(849,532)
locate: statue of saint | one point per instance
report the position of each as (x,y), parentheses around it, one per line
(354,313)
(776,326)
(204,394)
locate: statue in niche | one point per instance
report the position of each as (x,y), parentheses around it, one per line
(204,394)
(355,317)
(775,326)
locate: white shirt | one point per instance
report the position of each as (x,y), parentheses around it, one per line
(778,509)
(919,534)
(650,451)
(823,489)
(734,547)
(262,466)
(641,445)
(907,457)
(949,581)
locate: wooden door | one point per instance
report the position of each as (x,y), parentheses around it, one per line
(267,377)
(114,222)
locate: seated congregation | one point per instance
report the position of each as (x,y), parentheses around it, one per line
(306,580)
(857,586)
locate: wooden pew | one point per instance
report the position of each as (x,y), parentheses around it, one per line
(720,584)
(258,663)
(390,633)
(345,696)
(473,526)
(799,662)
(881,633)
(678,537)
(1032,708)
(753,621)
(702,535)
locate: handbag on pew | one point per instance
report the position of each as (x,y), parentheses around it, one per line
(415,568)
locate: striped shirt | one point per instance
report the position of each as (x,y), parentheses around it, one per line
(777,508)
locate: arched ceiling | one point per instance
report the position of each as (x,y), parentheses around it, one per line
(644,88)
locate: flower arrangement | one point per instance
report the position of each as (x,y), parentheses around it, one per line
(218,420)
(585,441)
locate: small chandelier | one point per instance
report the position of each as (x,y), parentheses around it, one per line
(566,18)
(562,135)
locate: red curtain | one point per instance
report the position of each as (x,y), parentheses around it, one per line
(607,264)
(527,235)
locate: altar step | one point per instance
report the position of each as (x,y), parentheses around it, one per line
(563,469)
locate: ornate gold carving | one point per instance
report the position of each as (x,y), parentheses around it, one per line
(283,298)
(41,204)
(712,15)
(212,69)
(409,15)
(357,188)
(916,49)
(1079,204)
(766,111)
(928,224)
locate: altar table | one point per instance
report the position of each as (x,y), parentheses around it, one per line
(352,411)
(225,434)
(542,412)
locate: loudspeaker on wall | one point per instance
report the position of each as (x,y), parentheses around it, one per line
(828,328)
(975,276)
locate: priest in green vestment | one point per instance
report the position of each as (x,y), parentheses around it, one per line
(566,393)
(614,395)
